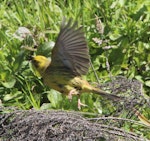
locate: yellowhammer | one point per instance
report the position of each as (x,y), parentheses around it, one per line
(69,61)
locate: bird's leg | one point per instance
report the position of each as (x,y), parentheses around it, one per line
(80,104)
(75,92)
(72,92)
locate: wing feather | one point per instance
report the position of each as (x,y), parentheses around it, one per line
(71,49)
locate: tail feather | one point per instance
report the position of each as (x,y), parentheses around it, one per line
(106,95)
(86,87)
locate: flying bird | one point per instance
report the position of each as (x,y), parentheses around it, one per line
(69,61)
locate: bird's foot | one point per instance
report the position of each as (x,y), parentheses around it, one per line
(72,92)
(80,104)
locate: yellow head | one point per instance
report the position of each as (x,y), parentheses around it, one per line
(40,63)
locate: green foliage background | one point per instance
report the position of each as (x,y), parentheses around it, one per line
(126,31)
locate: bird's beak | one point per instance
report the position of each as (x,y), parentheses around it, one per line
(30,58)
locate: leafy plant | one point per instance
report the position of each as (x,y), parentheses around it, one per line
(119,45)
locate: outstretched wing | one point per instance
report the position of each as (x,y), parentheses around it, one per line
(70,49)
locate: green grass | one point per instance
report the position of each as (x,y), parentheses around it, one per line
(126,30)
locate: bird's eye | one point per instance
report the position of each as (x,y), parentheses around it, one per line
(35,63)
